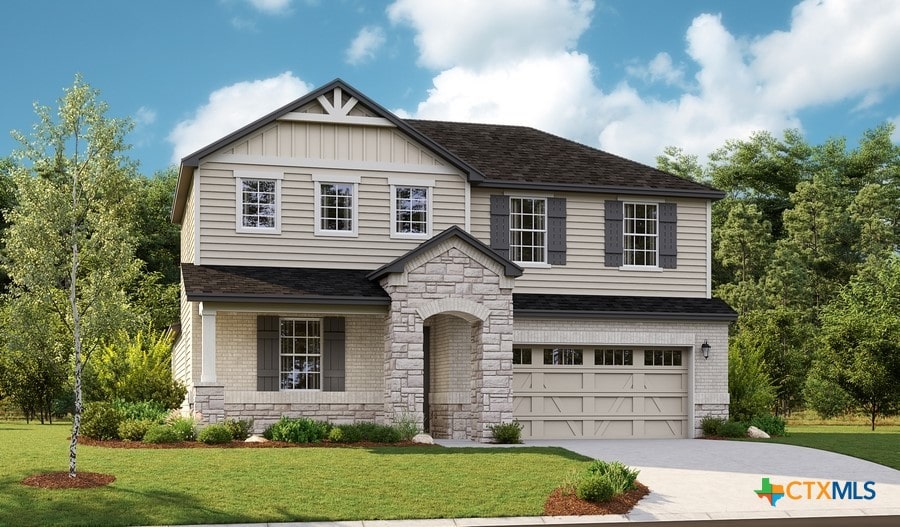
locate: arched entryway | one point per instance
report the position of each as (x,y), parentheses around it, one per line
(448,375)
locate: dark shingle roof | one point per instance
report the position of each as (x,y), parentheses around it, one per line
(622,307)
(518,155)
(280,284)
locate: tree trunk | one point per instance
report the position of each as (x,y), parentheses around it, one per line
(874,413)
(76,331)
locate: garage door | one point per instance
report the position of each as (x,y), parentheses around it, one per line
(566,393)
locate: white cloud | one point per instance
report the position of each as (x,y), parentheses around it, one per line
(232,107)
(271,7)
(366,44)
(144,116)
(475,33)
(243,24)
(896,122)
(659,69)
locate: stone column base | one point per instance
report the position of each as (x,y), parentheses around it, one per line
(209,401)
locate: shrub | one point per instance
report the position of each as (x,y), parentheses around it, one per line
(749,384)
(407,427)
(240,428)
(134,429)
(620,476)
(710,425)
(732,429)
(507,433)
(215,435)
(770,424)
(100,420)
(595,488)
(161,434)
(336,435)
(141,410)
(300,430)
(184,427)
(370,432)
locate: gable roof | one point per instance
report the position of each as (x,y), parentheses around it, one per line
(518,156)
(399,265)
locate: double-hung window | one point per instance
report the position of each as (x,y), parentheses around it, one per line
(301,354)
(640,234)
(336,206)
(410,211)
(258,201)
(528,230)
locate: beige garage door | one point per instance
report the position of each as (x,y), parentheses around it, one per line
(596,392)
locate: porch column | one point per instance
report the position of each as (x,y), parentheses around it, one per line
(207,345)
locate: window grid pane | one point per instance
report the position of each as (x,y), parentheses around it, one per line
(258,206)
(301,356)
(411,204)
(336,207)
(662,358)
(640,234)
(613,357)
(528,229)
(521,355)
(563,356)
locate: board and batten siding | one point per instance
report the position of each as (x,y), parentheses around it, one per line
(584,272)
(375,154)
(188,243)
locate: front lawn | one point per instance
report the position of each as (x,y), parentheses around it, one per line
(881,446)
(209,485)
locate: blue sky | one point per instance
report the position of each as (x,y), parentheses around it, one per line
(626,76)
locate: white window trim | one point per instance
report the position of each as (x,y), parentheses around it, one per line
(535,265)
(321,354)
(239,177)
(338,179)
(632,267)
(430,212)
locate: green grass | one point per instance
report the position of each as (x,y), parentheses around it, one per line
(881,446)
(193,486)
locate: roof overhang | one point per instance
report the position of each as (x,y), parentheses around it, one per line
(601,189)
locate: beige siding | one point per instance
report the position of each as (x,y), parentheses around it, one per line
(188,245)
(584,272)
(297,245)
(181,353)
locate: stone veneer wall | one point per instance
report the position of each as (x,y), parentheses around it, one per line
(451,277)
(709,381)
(451,385)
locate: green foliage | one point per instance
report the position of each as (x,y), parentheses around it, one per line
(407,427)
(101,421)
(595,488)
(824,396)
(621,476)
(710,425)
(601,481)
(148,410)
(162,434)
(299,430)
(240,429)
(771,424)
(215,435)
(368,432)
(507,433)
(732,429)
(136,368)
(336,435)
(185,428)
(158,238)
(135,429)
(748,383)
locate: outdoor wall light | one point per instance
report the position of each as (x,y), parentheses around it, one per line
(705,349)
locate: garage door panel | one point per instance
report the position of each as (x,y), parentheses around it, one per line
(614,381)
(663,406)
(662,382)
(614,405)
(563,382)
(563,405)
(664,429)
(522,381)
(568,428)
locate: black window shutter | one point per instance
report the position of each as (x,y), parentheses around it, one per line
(333,348)
(612,239)
(556,231)
(267,344)
(668,238)
(500,225)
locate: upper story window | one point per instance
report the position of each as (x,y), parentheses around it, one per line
(336,206)
(301,354)
(528,230)
(258,202)
(410,211)
(640,234)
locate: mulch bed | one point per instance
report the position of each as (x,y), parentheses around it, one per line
(61,480)
(561,503)
(240,444)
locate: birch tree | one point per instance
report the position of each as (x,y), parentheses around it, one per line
(69,245)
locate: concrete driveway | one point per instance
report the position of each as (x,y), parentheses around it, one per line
(707,479)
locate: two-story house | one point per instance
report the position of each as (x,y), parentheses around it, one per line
(341,263)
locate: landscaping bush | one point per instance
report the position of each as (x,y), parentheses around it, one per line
(336,435)
(620,476)
(407,427)
(300,430)
(161,434)
(732,429)
(141,410)
(134,429)
(595,488)
(240,429)
(370,432)
(184,427)
(215,435)
(100,420)
(770,424)
(507,433)
(710,425)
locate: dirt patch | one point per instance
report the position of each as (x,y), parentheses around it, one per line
(241,444)
(562,503)
(61,480)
